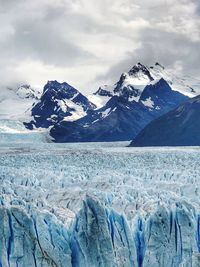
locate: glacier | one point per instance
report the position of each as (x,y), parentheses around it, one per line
(99,204)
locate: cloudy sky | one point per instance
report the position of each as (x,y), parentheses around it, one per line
(91,42)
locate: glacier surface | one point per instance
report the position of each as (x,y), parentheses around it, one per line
(89,205)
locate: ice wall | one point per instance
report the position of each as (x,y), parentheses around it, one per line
(100,237)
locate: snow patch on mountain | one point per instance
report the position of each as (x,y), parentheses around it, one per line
(77,111)
(148,102)
(106,112)
(101,97)
(98,101)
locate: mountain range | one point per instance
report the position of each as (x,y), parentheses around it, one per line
(120,118)
(112,113)
(124,109)
(134,81)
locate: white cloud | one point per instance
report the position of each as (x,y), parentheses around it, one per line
(87,42)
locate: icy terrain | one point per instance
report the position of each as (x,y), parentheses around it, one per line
(15,103)
(13,131)
(92,205)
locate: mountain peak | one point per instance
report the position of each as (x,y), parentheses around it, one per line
(139,64)
(26,91)
(55,82)
(103,91)
(159,65)
(60,89)
(159,85)
(138,69)
(162,82)
(59,101)
(56,85)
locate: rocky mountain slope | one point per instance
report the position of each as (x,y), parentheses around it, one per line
(121,118)
(134,81)
(59,101)
(117,112)
(179,127)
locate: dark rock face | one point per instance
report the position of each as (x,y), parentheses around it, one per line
(162,97)
(126,91)
(53,105)
(120,119)
(179,127)
(103,92)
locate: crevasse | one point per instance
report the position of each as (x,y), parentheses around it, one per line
(100,237)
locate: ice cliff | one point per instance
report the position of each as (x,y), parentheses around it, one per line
(100,237)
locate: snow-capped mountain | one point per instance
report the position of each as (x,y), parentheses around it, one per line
(16,102)
(133,82)
(179,127)
(117,120)
(27,92)
(59,101)
(115,112)
(124,109)
(15,109)
(120,118)
(186,85)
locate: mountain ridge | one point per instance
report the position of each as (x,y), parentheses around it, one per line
(140,76)
(128,105)
(119,119)
(179,127)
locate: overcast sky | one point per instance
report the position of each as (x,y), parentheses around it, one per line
(91,42)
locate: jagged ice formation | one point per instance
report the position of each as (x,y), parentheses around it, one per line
(94,205)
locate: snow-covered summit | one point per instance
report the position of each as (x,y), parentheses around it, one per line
(121,118)
(132,83)
(15,102)
(59,101)
(26,91)
(186,85)
(141,72)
